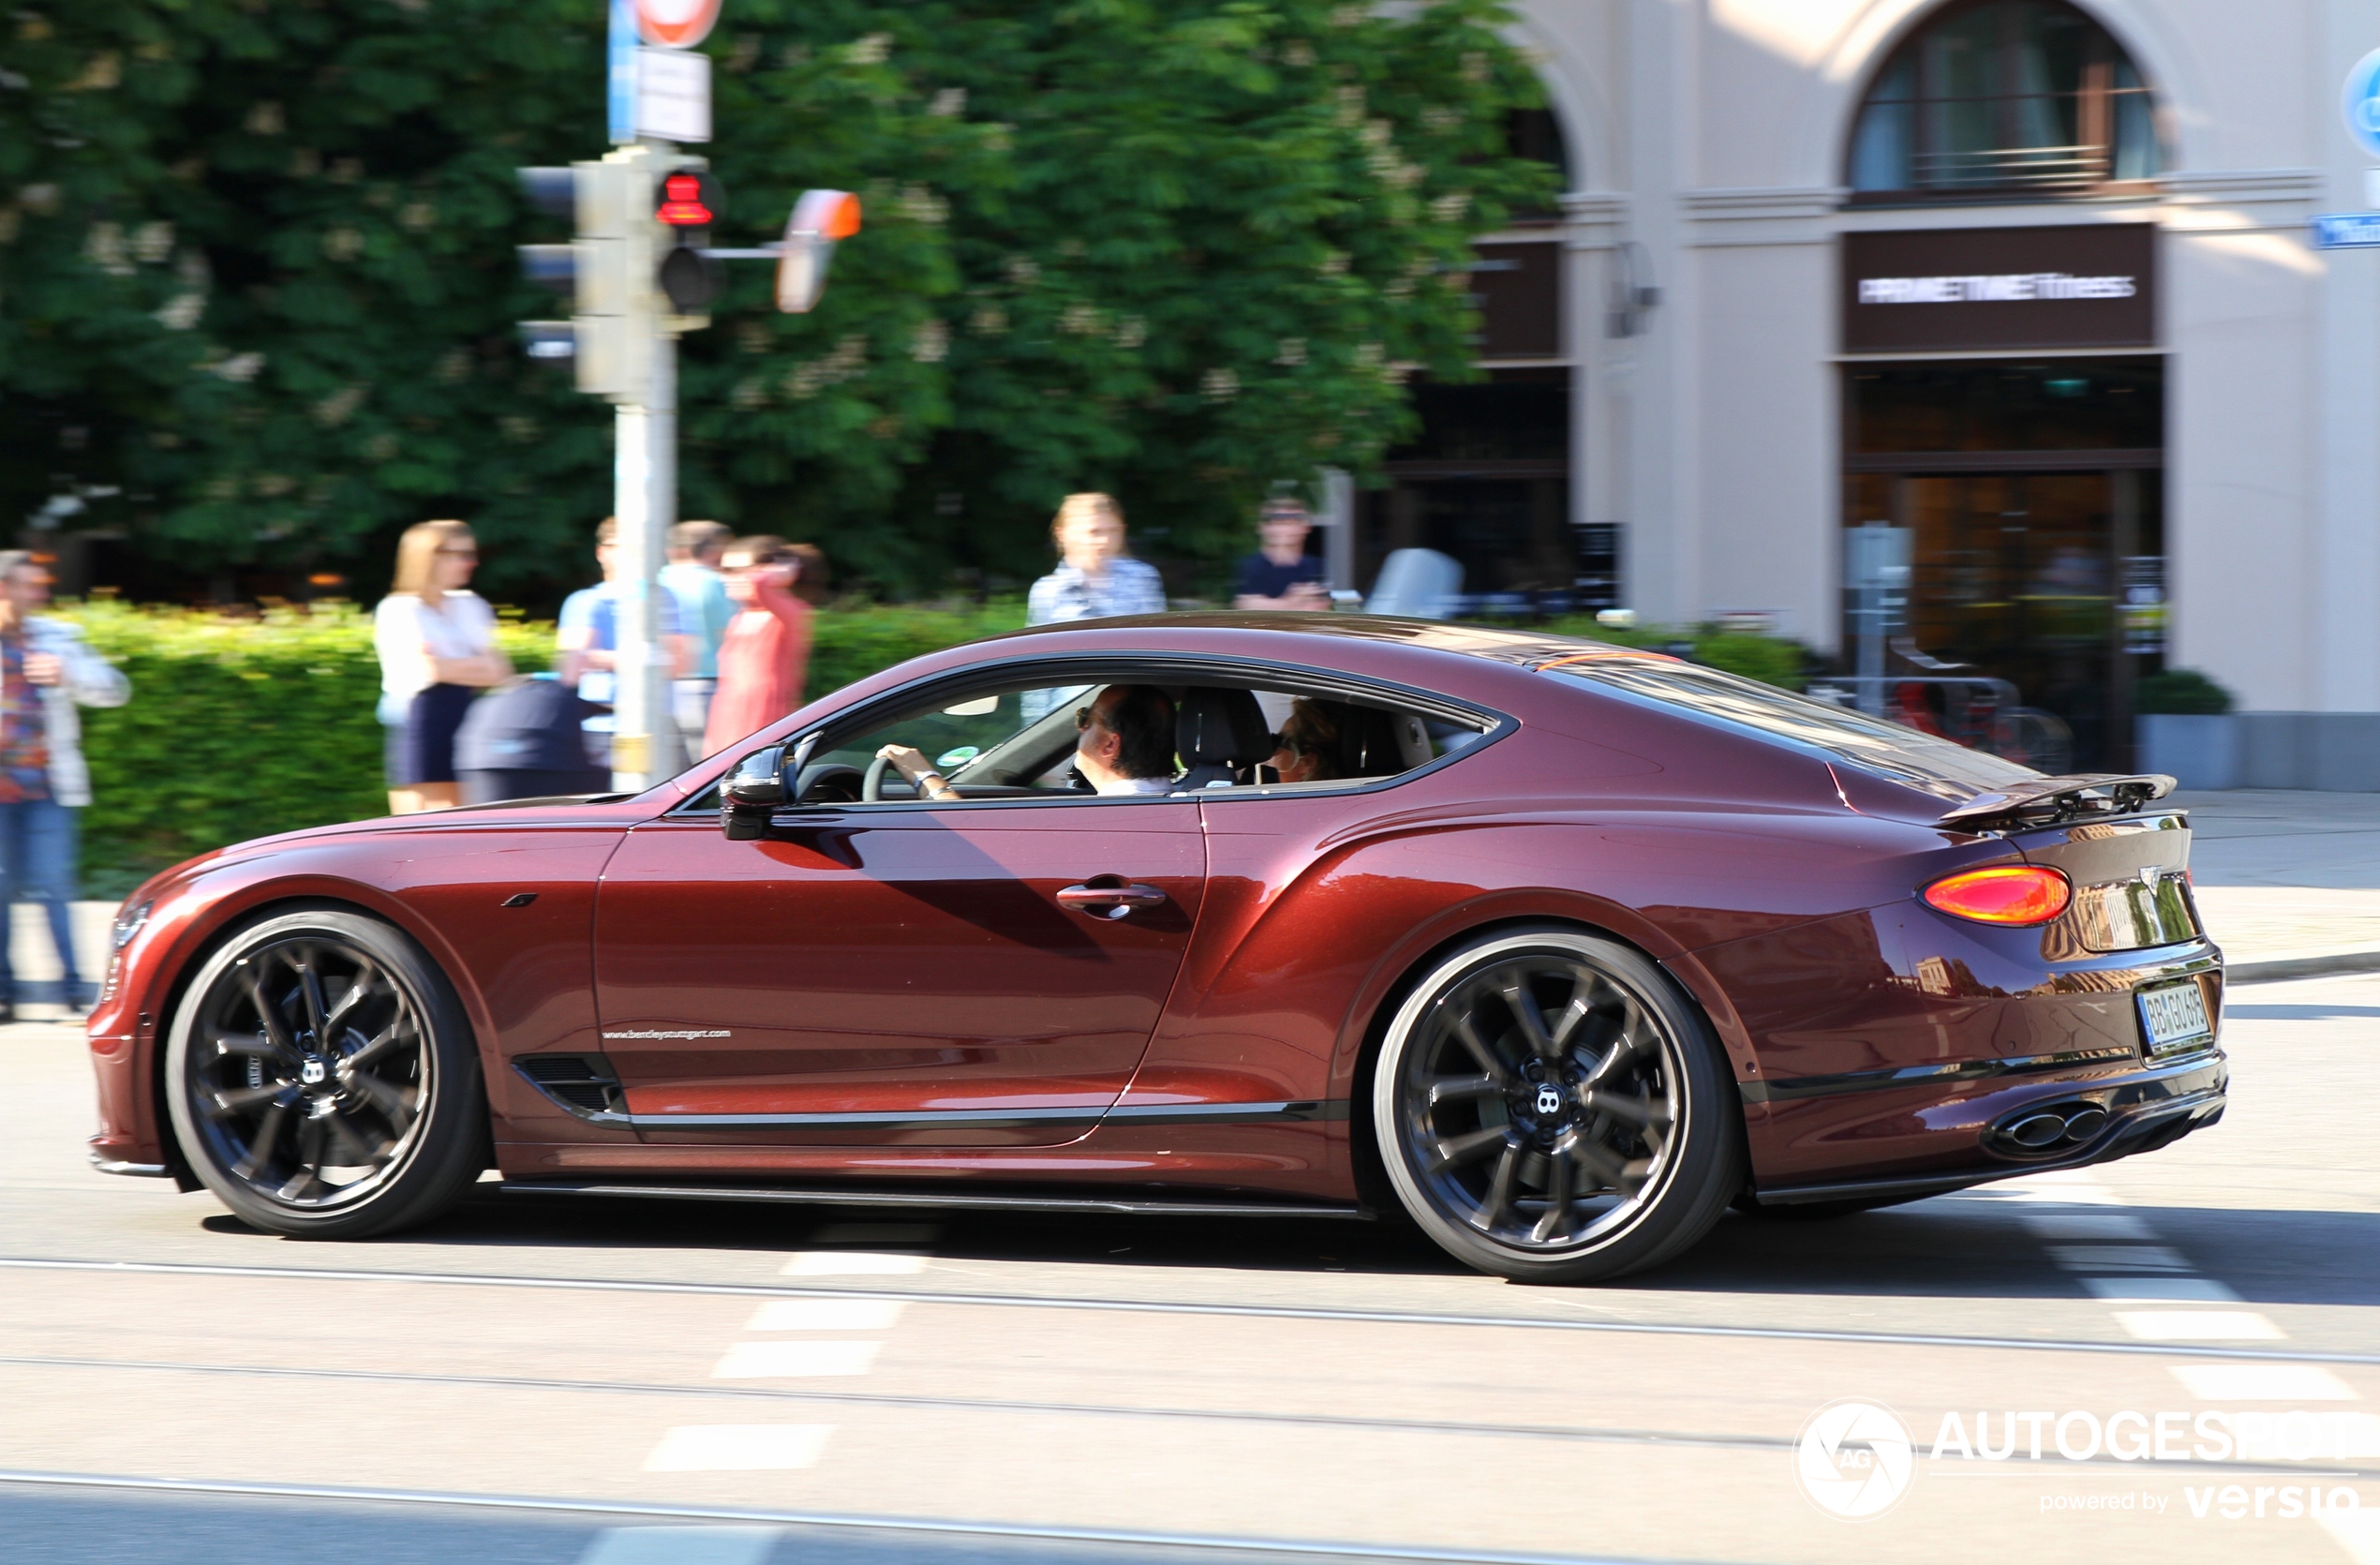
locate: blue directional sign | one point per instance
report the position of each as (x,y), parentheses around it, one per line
(620,60)
(2361,103)
(2348,230)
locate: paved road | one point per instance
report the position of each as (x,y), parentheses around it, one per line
(1144,1389)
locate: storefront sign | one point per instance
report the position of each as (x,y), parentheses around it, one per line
(1518,289)
(1951,290)
(2346,230)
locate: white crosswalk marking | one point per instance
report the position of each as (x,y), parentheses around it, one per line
(826,1315)
(854,1263)
(2199,1325)
(2262,1382)
(2086,1225)
(771,1361)
(2357,1533)
(2119,1257)
(2160,1291)
(738,1448)
(682,1545)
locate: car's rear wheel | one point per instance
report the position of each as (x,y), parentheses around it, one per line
(322,1081)
(1550,1108)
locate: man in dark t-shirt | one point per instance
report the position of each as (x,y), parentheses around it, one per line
(1282,575)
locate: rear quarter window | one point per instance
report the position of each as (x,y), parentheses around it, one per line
(1836,733)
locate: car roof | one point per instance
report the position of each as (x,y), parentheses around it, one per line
(1517,648)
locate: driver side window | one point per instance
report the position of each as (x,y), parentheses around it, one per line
(990,744)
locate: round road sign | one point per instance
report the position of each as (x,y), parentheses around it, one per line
(676,24)
(2361,102)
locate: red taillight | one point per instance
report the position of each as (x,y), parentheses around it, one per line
(2004,894)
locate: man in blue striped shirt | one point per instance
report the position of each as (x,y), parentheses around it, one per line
(1096,579)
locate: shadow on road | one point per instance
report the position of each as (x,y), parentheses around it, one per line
(1950,1247)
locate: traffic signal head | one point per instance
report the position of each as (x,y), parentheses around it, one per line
(688,281)
(604,340)
(689,198)
(549,341)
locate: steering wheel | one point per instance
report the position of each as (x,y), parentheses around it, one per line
(830,782)
(871,787)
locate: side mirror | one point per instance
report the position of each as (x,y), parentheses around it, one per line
(751,794)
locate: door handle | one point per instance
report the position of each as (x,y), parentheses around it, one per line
(1108,896)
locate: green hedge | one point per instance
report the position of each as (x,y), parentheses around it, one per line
(2183,690)
(239,728)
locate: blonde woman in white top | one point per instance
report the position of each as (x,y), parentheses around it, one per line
(437,641)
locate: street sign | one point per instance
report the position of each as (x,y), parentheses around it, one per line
(672,95)
(2348,230)
(2361,103)
(676,24)
(619,88)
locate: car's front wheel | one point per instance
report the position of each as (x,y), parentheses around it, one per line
(322,1081)
(1552,1108)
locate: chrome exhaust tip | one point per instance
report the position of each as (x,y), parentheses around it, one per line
(2038,1132)
(2050,1127)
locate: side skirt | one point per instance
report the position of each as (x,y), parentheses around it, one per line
(1129,1206)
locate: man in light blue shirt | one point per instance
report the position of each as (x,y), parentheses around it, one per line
(587,638)
(1094,578)
(704,610)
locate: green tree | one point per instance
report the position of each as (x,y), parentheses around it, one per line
(257,273)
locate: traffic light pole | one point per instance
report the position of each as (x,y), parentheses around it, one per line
(639,270)
(644,743)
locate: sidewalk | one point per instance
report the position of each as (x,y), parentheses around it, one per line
(2288,884)
(36,961)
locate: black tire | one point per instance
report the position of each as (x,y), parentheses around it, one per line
(1624,1098)
(317,1036)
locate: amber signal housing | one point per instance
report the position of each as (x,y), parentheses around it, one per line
(2021,894)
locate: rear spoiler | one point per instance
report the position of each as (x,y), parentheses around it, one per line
(2052,801)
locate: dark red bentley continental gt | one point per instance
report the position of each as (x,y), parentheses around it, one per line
(1559,950)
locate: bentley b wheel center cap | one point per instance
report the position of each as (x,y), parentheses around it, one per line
(1549,1099)
(313,1071)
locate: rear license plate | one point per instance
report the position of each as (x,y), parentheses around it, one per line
(2172,1017)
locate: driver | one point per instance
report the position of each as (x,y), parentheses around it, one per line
(1126,747)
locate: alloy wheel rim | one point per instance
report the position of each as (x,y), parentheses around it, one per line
(1539,1102)
(309,1072)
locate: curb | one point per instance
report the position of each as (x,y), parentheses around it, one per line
(2301,967)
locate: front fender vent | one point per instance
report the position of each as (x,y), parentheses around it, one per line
(586,1084)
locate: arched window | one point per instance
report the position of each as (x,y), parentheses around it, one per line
(2028,98)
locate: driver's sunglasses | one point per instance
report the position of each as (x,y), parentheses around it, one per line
(1084,717)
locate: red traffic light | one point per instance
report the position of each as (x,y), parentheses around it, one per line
(690,198)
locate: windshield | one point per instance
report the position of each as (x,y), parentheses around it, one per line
(1882,748)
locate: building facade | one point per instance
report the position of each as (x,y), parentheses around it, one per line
(2026,289)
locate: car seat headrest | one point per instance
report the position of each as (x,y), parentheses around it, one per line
(1223,726)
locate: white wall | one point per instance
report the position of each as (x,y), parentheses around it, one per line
(1717,139)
